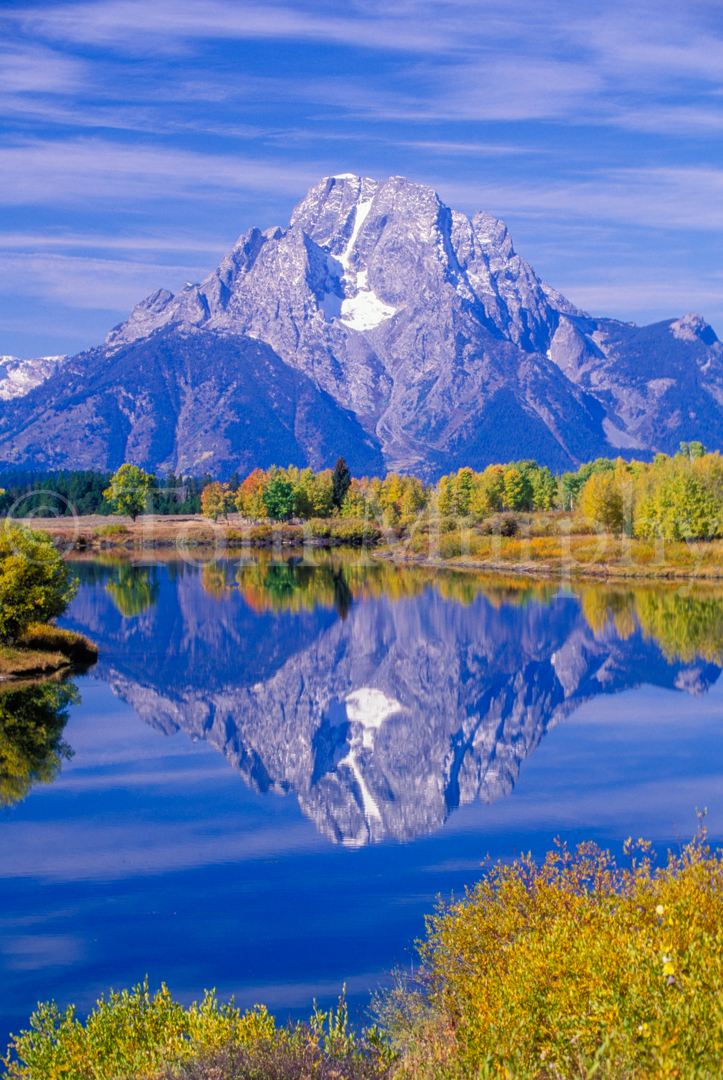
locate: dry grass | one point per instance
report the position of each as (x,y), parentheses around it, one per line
(552,547)
(43,649)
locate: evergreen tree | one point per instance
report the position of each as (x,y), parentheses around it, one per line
(341,482)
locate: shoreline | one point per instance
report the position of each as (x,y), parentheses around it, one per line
(563,555)
(602,572)
(42,652)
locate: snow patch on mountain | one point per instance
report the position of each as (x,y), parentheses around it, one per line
(365,311)
(19,377)
(362,212)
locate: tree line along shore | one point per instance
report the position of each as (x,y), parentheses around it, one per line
(612,516)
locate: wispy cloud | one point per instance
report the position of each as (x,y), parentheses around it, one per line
(94,241)
(662,198)
(35,69)
(61,172)
(554,112)
(85,282)
(25,952)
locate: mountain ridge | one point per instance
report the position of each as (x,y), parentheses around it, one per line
(430,341)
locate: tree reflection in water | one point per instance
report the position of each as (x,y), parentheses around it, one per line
(133,590)
(685,622)
(32,748)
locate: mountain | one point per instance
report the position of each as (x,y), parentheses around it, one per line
(415,336)
(381,719)
(189,402)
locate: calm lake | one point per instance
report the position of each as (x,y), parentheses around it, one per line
(278,766)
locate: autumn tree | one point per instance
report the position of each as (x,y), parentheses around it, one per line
(250,495)
(216,500)
(321,494)
(601,500)
(446,496)
(488,492)
(414,495)
(356,503)
(130,491)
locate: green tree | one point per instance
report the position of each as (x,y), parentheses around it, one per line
(517,489)
(341,482)
(279,498)
(130,490)
(544,489)
(692,450)
(35,581)
(679,507)
(464,486)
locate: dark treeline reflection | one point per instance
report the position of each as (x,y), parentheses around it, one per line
(32,748)
(383,697)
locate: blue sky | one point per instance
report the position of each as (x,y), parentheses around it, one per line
(141,137)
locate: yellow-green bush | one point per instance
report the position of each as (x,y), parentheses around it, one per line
(573,968)
(130,1035)
(110,530)
(136,1036)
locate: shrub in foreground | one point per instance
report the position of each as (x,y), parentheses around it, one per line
(572,968)
(136,1036)
(575,968)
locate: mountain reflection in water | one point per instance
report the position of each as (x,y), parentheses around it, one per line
(382,697)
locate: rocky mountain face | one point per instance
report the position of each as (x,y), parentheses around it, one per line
(186,402)
(19,377)
(429,340)
(382,722)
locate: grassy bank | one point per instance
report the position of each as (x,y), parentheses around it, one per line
(550,545)
(187,532)
(569,969)
(544,544)
(43,649)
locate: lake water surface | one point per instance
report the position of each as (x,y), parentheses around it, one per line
(279,766)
